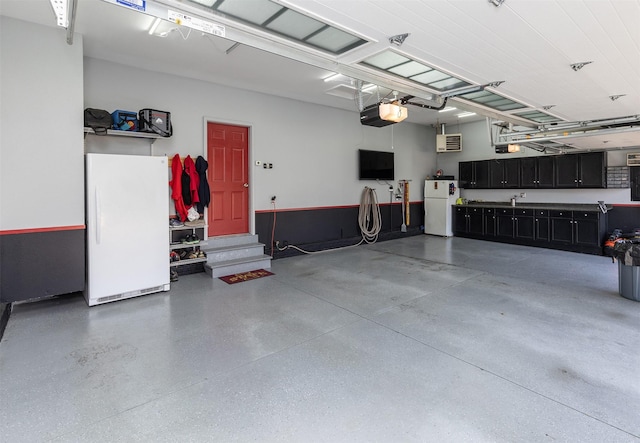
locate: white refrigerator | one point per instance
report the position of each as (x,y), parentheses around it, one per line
(127,217)
(439,196)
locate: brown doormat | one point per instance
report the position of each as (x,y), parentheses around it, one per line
(245,276)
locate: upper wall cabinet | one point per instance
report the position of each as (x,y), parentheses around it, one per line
(537,172)
(586,170)
(474,175)
(504,173)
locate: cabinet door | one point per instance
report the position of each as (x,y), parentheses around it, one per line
(566,171)
(504,223)
(461,220)
(592,167)
(489,218)
(541,225)
(545,172)
(587,232)
(511,173)
(634,176)
(523,223)
(528,172)
(474,217)
(465,175)
(562,230)
(481,174)
(496,174)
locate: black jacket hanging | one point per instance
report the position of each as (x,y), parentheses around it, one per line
(203,191)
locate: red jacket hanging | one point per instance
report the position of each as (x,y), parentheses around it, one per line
(176,187)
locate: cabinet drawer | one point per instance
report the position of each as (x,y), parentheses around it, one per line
(541,213)
(561,214)
(504,211)
(489,211)
(474,210)
(585,215)
(523,212)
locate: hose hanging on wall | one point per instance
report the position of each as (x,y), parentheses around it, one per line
(369,220)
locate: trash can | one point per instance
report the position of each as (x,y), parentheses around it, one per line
(628,256)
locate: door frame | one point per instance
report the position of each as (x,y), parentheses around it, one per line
(249,126)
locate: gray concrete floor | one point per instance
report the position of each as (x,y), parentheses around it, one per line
(418,339)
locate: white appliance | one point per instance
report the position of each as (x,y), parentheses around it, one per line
(439,196)
(127,204)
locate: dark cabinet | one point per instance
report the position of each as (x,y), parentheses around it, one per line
(537,172)
(489,219)
(541,225)
(504,222)
(469,220)
(523,223)
(504,173)
(474,174)
(587,170)
(579,231)
(561,226)
(586,228)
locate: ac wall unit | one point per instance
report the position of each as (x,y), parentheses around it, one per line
(448,142)
(633,159)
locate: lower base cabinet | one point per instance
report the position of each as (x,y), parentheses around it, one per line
(578,231)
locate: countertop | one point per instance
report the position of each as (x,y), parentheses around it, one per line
(528,205)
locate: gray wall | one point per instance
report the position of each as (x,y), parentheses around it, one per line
(313,148)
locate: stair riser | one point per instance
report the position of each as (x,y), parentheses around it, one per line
(237,268)
(231,254)
(231,241)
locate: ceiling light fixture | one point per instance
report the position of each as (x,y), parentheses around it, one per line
(448,109)
(465,114)
(398,40)
(154,25)
(60,8)
(333,77)
(616,97)
(392,112)
(578,66)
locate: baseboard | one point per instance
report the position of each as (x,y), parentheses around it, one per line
(5,312)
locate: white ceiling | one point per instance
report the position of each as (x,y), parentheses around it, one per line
(529,44)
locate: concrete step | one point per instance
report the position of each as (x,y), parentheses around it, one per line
(231,240)
(235,266)
(233,252)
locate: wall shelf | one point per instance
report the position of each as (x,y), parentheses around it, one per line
(150,136)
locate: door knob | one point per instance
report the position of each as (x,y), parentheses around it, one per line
(246,185)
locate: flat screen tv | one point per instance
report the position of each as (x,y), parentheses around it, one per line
(375,165)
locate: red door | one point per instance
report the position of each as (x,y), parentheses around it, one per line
(228,156)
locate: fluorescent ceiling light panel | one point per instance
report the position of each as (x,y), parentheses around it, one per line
(333,77)
(60,10)
(332,39)
(448,109)
(465,114)
(154,25)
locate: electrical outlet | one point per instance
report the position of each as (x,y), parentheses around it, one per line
(270,166)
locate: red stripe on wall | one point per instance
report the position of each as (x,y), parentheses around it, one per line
(36,230)
(320,208)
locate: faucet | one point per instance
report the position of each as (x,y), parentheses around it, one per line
(515,197)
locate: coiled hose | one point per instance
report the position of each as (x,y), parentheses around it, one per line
(369,217)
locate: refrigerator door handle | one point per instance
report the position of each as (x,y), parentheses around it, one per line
(98,216)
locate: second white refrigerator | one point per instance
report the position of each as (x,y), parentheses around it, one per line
(439,196)
(127,216)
